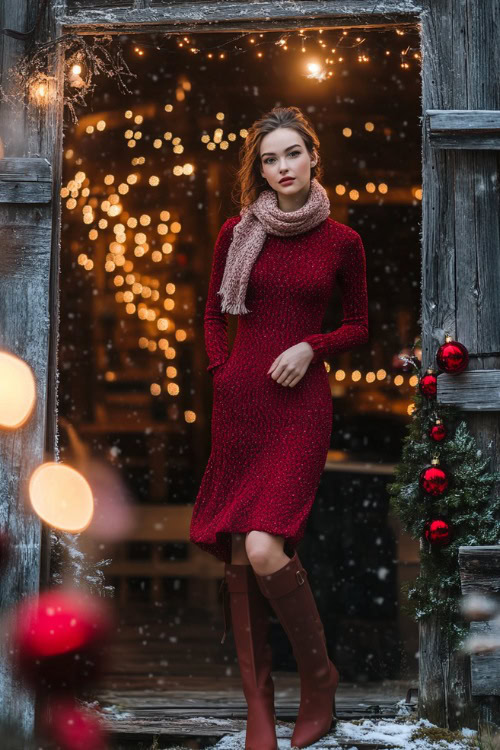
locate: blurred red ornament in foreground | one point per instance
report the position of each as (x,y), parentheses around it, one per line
(58,638)
(71,727)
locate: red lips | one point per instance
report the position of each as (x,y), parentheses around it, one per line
(287,179)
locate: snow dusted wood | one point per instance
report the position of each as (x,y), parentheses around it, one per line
(27,214)
(464,128)
(25,181)
(91,17)
(460,277)
(480,574)
(477,390)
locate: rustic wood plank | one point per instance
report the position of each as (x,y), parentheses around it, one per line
(25,169)
(460,226)
(74,6)
(25,180)
(480,569)
(203,14)
(24,330)
(471,390)
(173,711)
(485,668)
(464,128)
(480,574)
(25,298)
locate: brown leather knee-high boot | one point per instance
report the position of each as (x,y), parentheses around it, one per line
(249,615)
(290,595)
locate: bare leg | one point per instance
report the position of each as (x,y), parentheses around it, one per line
(265,552)
(238,551)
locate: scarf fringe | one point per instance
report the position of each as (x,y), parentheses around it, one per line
(233,308)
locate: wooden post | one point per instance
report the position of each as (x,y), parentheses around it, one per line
(460,270)
(27,216)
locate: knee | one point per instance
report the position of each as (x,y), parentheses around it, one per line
(259,546)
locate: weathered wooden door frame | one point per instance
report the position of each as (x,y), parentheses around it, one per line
(441,28)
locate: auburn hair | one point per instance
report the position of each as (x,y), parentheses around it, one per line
(249,182)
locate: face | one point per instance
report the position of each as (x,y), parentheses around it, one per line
(283,153)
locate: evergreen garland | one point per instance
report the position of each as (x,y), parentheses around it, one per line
(467,503)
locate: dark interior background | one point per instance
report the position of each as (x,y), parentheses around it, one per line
(367,116)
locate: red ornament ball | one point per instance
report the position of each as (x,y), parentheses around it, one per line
(71,727)
(452,357)
(437,432)
(428,384)
(59,638)
(433,480)
(437,532)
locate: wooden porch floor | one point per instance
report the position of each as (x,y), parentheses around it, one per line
(171,678)
(200,716)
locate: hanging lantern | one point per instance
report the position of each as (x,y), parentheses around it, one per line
(76,72)
(428,384)
(452,357)
(433,480)
(437,431)
(438,532)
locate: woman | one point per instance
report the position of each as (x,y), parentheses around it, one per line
(275,265)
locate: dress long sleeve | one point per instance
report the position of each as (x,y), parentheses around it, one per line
(215,321)
(353,330)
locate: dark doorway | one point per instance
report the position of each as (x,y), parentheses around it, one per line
(147,184)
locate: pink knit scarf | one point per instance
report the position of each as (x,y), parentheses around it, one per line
(259,218)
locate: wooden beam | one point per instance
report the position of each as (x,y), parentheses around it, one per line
(460,277)
(28,281)
(473,390)
(234,15)
(25,180)
(464,128)
(480,568)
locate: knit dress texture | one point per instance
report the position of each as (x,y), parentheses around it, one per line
(269,442)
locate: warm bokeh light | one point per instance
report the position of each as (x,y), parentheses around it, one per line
(61,496)
(17,391)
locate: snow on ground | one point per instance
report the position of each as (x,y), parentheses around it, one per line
(387,733)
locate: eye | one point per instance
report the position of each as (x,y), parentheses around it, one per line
(266,161)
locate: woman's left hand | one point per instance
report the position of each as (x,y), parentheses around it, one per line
(291,365)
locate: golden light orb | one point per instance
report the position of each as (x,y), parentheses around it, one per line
(17,391)
(61,497)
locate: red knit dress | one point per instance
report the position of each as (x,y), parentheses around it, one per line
(269,441)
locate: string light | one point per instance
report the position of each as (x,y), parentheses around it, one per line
(300,36)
